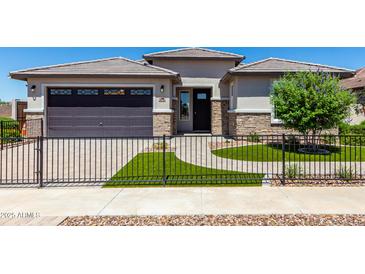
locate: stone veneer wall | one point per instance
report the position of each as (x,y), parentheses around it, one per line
(163,124)
(174,117)
(220,119)
(260,123)
(33,124)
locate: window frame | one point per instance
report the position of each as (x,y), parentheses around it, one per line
(273,119)
(189,105)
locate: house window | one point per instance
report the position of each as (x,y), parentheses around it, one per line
(184,105)
(87,92)
(140,92)
(60,91)
(108,92)
(274,116)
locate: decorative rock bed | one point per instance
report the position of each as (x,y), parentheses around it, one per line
(318,181)
(220,220)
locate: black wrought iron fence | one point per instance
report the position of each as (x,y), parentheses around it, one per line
(13,130)
(181,160)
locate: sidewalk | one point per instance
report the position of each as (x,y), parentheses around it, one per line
(63,202)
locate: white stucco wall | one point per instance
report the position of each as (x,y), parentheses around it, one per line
(37,100)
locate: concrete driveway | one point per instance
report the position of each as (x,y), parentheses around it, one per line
(70,160)
(57,203)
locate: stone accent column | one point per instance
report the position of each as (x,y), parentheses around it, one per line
(220,117)
(163,124)
(174,118)
(34,124)
(232,123)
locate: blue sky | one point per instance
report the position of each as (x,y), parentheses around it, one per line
(20,58)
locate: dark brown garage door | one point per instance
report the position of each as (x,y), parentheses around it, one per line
(99,112)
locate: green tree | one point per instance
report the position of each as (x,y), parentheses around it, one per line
(310,102)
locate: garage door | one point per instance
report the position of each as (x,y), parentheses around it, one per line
(99,112)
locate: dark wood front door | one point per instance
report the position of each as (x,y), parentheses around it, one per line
(202,108)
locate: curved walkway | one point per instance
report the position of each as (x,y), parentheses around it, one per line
(196,150)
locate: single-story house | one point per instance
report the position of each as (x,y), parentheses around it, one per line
(169,92)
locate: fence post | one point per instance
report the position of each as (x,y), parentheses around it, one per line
(42,127)
(2,134)
(164,160)
(40,161)
(283,158)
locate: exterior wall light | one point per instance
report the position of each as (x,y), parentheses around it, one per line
(32,88)
(162,89)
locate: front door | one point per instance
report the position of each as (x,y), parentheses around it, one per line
(201,107)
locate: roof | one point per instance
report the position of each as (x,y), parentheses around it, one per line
(356,82)
(116,66)
(278,65)
(192,53)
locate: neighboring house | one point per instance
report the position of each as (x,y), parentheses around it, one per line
(169,92)
(357,85)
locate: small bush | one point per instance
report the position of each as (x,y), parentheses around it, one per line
(293,171)
(345,173)
(159,146)
(355,134)
(291,140)
(329,139)
(253,137)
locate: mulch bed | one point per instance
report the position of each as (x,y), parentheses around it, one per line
(220,220)
(318,181)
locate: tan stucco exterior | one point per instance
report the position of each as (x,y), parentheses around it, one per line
(240,100)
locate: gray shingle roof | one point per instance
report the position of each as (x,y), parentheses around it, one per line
(117,66)
(283,65)
(202,53)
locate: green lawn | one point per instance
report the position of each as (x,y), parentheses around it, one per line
(146,169)
(269,153)
(6,119)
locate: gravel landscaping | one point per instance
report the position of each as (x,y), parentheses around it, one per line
(318,181)
(220,220)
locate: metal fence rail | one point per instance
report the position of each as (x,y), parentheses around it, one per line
(180,160)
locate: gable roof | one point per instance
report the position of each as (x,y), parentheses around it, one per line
(116,66)
(356,82)
(193,53)
(278,65)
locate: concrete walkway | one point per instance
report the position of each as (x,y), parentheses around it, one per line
(196,151)
(63,202)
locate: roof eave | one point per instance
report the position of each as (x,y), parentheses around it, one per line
(25,76)
(343,74)
(233,58)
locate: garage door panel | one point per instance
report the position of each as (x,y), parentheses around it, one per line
(77,118)
(74,132)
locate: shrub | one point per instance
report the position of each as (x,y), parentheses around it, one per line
(355,134)
(291,140)
(253,137)
(293,171)
(329,139)
(345,173)
(159,146)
